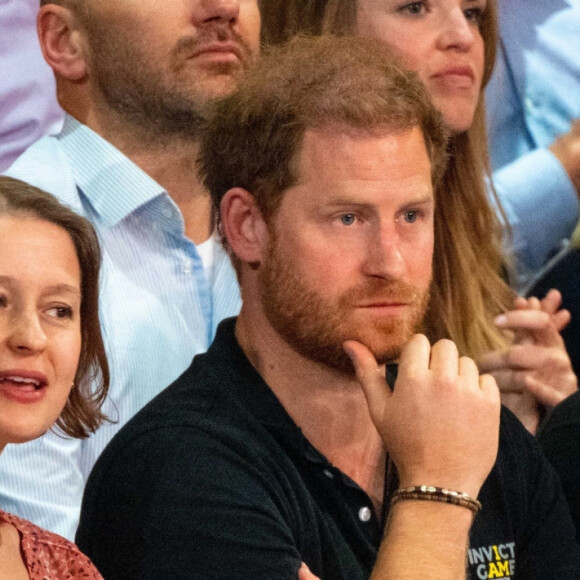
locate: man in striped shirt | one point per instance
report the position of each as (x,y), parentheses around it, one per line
(135,79)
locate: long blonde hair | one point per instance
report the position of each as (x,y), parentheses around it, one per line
(469,268)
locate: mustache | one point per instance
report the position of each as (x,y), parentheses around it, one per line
(381,291)
(218,32)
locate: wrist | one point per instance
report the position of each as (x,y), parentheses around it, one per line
(444,479)
(436,494)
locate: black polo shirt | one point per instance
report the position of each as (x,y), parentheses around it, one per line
(213,479)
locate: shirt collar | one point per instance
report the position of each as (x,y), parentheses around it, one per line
(247,385)
(112,183)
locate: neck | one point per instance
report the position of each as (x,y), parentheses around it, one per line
(169,160)
(327,405)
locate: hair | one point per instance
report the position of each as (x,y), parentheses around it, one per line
(469,288)
(82,413)
(255,134)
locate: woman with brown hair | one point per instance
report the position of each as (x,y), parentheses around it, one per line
(451,45)
(51,354)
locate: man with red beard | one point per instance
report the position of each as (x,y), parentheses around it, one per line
(135,78)
(283,443)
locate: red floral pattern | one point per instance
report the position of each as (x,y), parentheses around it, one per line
(48,556)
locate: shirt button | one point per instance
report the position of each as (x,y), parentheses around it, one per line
(187,266)
(532,104)
(328,474)
(364,514)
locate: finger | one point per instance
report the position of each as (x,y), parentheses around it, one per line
(304,573)
(520,303)
(526,357)
(517,357)
(532,326)
(552,301)
(488,385)
(510,381)
(534,303)
(444,358)
(533,357)
(415,356)
(545,394)
(523,320)
(561,319)
(368,373)
(557,373)
(492,361)
(468,371)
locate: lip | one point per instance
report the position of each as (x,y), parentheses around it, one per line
(23,386)
(219,50)
(386,306)
(455,75)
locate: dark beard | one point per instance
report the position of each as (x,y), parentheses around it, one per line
(158,103)
(158,115)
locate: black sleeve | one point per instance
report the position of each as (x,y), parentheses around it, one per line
(175,503)
(560,441)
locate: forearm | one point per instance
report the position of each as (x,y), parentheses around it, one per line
(424,540)
(537,195)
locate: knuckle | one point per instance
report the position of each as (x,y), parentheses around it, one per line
(447,381)
(515,354)
(445,343)
(468,362)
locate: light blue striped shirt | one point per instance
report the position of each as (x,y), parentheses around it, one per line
(158,309)
(533,96)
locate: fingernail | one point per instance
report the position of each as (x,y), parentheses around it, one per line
(348,350)
(501,320)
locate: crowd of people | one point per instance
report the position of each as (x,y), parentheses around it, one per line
(287,289)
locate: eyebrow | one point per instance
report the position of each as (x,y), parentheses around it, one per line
(54,289)
(64,288)
(356,203)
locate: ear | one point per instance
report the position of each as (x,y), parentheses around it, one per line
(62,41)
(243,225)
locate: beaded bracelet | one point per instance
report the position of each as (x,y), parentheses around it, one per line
(430,493)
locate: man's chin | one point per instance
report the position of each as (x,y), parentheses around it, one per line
(386,345)
(218,81)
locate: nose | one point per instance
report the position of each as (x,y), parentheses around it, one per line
(219,10)
(456,31)
(384,256)
(26,334)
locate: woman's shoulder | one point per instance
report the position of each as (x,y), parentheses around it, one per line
(48,553)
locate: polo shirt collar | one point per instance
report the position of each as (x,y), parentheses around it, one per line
(248,386)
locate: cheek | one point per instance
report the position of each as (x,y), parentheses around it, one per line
(66,359)
(413,55)
(250,22)
(420,263)
(479,60)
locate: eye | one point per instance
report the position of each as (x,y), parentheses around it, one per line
(411,216)
(474,15)
(348,219)
(3,301)
(62,312)
(413,8)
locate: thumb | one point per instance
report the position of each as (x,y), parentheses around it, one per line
(369,374)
